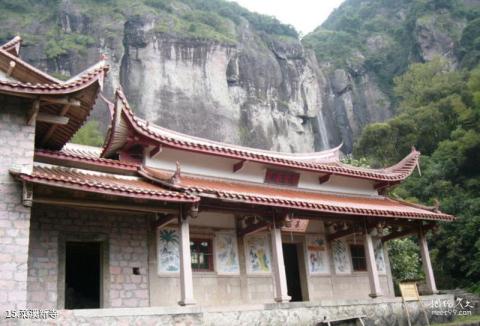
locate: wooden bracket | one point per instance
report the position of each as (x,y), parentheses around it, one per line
(27,194)
(324,178)
(11,66)
(238,166)
(193,210)
(61,100)
(381,185)
(33,112)
(254,228)
(52,129)
(52,118)
(157,149)
(165,220)
(400,234)
(341,234)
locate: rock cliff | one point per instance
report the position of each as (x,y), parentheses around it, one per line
(210,68)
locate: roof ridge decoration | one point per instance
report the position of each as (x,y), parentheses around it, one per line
(13,46)
(125,124)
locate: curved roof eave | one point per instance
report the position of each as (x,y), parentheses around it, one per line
(156,134)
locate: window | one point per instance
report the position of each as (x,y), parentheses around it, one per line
(202,255)
(279,177)
(359,262)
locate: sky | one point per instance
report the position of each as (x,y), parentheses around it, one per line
(304,15)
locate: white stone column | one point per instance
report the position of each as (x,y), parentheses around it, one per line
(278,267)
(186,279)
(374,280)
(426,263)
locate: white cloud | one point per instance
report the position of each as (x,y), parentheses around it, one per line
(304,15)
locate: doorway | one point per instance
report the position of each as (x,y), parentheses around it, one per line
(292,271)
(82,275)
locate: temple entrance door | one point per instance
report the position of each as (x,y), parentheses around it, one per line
(292,271)
(82,275)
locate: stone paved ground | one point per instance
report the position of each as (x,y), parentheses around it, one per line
(377,312)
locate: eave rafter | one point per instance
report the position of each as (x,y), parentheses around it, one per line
(165,220)
(34,114)
(408,231)
(254,228)
(342,233)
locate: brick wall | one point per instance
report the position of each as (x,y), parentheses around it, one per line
(126,240)
(16,149)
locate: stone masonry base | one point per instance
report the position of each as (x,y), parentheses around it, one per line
(380,311)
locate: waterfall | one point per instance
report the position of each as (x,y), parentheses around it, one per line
(322,131)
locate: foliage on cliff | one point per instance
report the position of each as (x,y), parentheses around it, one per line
(89,134)
(439,113)
(200,19)
(384,36)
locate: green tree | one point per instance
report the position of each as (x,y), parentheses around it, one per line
(440,115)
(405,260)
(89,134)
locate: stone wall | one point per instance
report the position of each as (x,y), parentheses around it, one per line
(16,147)
(385,312)
(125,246)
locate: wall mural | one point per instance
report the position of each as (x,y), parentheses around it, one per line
(168,250)
(379,256)
(317,255)
(341,258)
(226,253)
(257,254)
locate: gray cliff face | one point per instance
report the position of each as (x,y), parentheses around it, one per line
(260,92)
(354,100)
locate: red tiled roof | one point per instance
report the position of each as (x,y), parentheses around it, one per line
(80,82)
(102,183)
(27,81)
(124,115)
(296,199)
(83,156)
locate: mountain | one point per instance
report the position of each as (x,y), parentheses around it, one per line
(365,44)
(208,68)
(213,69)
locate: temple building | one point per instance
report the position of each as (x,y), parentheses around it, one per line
(160,218)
